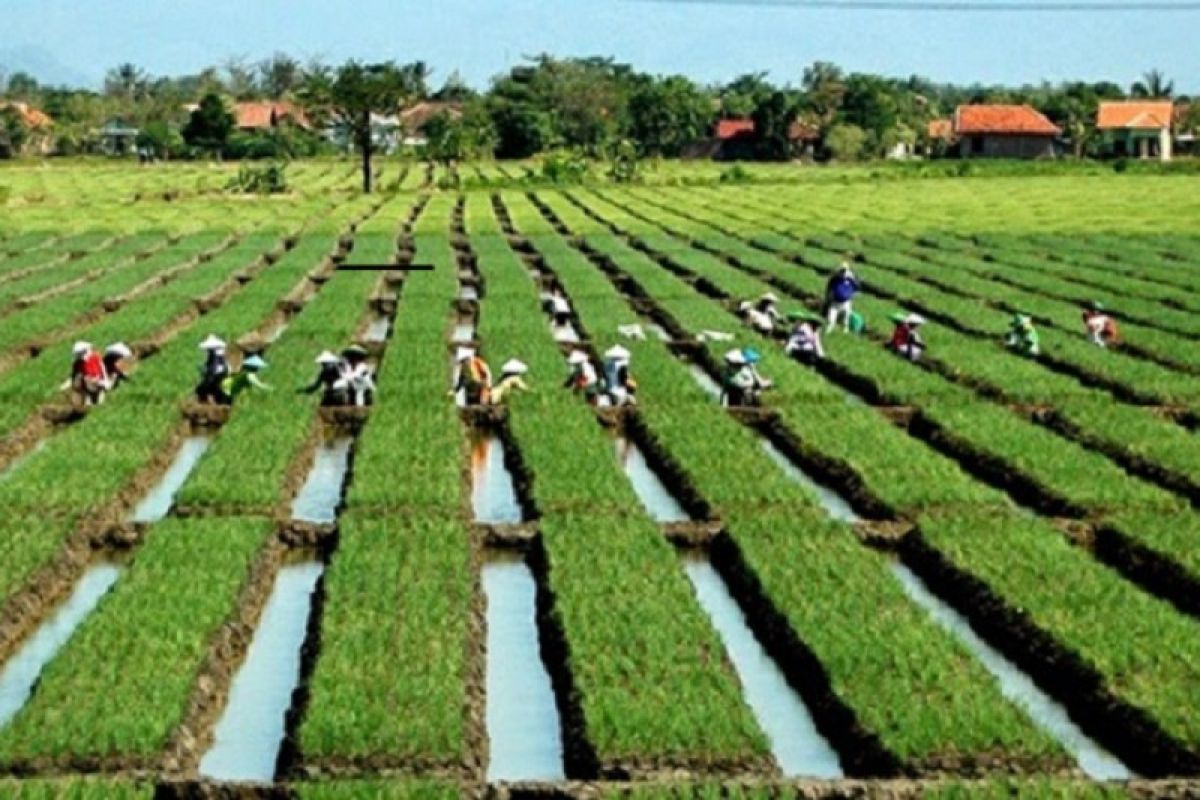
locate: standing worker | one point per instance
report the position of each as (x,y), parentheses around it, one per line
(511,381)
(906,340)
(804,343)
(88,379)
(742,385)
(1023,336)
(583,378)
(1101,329)
(213,372)
(619,386)
(332,376)
(359,377)
(839,297)
(474,379)
(245,378)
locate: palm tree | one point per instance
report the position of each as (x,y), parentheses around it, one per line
(1153,84)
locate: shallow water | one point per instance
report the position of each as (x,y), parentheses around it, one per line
(798,748)
(524,729)
(157,502)
(468,293)
(20,673)
(705,381)
(493,493)
(377,330)
(565,333)
(318,499)
(1017,686)
(464,332)
(830,500)
(659,331)
(655,496)
(250,732)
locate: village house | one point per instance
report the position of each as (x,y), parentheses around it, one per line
(1004,131)
(734,140)
(267,116)
(1136,128)
(117,138)
(414,119)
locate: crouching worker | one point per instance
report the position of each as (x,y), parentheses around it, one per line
(244,379)
(742,385)
(582,378)
(1101,329)
(213,372)
(758,319)
(473,384)
(804,343)
(114,354)
(88,379)
(620,389)
(358,375)
(511,381)
(330,377)
(1023,336)
(906,339)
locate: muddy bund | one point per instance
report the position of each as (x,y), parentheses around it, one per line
(158,501)
(251,730)
(1017,686)
(493,493)
(524,729)
(21,673)
(319,498)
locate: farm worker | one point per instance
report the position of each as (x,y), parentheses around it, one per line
(906,339)
(619,386)
(583,378)
(332,376)
(1022,336)
(511,381)
(213,371)
(741,383)
(804,343)
(756,318)
(359,377)
(1101,329)
(474,377)
(88,379)
(839,297)
(114,354)
(560,309)
(245,378)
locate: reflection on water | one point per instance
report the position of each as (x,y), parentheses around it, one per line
(493,494)
(655,496)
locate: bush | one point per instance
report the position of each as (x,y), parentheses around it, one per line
(271,179)
(565,167)
(4,194)
(736,174)
(845,142)
(1120,165)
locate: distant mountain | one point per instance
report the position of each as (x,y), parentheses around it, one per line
(43,65)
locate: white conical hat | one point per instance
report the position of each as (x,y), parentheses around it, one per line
(735,357)
(80,348)
(463,353)
(745,304)
(577,357)
(327,357)
(617,353)
(212,343)
(119,349)
(915,319)
(770,296)
(515,367)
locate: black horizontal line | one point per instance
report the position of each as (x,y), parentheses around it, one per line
(949,5)
(385,268)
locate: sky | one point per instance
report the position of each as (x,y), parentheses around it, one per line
(70,40)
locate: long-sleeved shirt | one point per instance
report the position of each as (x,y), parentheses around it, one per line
(506,386)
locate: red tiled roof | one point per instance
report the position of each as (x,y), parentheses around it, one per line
(32,117)
(260,116)
(803,132)
(940,129)
(416,117)
(1001,119)
(1134,114)
(730,128)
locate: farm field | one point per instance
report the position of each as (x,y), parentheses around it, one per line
(976,575)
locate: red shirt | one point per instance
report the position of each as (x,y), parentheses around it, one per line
(93,366)
(900,336)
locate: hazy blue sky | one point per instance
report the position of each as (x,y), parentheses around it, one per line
(709,42)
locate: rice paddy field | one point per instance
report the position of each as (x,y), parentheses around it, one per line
(976,575)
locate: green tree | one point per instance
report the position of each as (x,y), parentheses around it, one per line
(666,114)
(13,132)
(209,127)
(23,86)
(1154,84)
(351,94)
(161,139)
(772,118)
(126,82)
(745,93)
(824,87)
(845,142)
(279,75)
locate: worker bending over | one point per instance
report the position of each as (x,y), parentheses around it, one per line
(582,378)
(1101,329)
(839,297)
(511,381)
(213,371)
(474,379)
(360,378)
(1023,336)
(804,342)
(114,354)
(332,378)
(620,388)
(558,308)
(741,384)
(243,380)
(88,379)
(906,339)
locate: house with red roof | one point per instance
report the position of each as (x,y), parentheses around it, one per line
(39,127)
(1004,131)
(1136,128)
(733,139)
(266,116)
